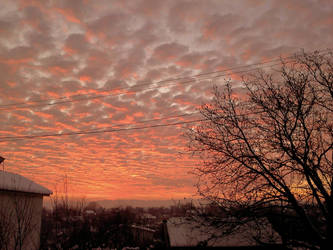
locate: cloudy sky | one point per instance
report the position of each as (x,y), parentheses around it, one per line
(129,67)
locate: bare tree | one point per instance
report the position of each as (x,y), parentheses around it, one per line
(19,223)
(5,227)
(270,145)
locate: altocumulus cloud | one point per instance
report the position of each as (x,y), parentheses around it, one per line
(54,50)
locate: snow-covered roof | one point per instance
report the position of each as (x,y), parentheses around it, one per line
(90,212)
(14,182)
(149,216)
(147,229)
(185,232)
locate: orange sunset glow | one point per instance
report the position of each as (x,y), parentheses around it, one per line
(101,93)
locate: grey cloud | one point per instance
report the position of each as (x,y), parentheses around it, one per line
(78,43)
(112,84)
(146,35)
(184,14)
(168,52)
(20,52)
(79,7)
(171,182)
(134,60)
(114,24)
(36,19)
(57,60)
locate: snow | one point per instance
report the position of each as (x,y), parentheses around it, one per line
(90,212)
(14,182)
(188,233)
(143,228)
(149,216)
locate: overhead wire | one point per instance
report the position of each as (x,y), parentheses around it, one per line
(83,97)
(129,91)
(15,138)
(167,117)
(135,86)
(113,129)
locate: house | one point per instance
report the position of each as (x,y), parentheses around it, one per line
(194,233)
(21,204)
(142,235)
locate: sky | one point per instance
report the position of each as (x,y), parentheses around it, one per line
(135,72)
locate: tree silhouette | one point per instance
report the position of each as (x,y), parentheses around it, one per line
(19,221)
(268,144)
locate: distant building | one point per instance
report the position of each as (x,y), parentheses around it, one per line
(148,219)
(186,233)
(21,204)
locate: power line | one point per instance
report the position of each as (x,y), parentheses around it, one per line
(112,129)
(140,85)
(83,97)
(16,138)
(124,124)
(168,117)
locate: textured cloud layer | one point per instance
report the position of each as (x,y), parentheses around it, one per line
(101,65)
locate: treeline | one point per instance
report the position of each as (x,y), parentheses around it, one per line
(80,226)
(71,228)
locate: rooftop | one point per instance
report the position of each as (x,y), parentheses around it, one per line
(15,182)
(186,232)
